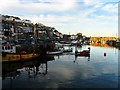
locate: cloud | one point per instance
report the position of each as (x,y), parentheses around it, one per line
(4,4)
(30,7)
(97,5)
(90,2)
(112,8)
(66,73)
(54,19)
(49,19)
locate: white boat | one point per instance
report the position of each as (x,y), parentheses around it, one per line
(54,52)
(66,44)
(61,45)
(58,45)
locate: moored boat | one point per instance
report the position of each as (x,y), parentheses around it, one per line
(54,52)
(10,53)
(10,57)
(83,53)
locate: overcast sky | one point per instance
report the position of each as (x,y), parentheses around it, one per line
(90,17)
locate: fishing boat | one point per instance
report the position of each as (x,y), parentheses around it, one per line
(10,53)
(83,53)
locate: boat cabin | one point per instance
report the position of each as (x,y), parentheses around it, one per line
(9,49)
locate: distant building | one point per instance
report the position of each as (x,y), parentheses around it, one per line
(74,37)
(101,39)
(66,37)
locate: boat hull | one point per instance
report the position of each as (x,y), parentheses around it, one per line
(18,57)
(82,53)
(54,53)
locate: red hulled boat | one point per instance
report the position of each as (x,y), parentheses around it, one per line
(83,53)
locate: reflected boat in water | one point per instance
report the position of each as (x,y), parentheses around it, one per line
(81,56)
(11,68)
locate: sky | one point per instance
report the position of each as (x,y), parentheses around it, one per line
(90,17)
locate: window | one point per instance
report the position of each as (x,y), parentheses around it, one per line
(6,48)
(2,48)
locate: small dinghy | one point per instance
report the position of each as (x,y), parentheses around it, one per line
(83,53)
(54,52)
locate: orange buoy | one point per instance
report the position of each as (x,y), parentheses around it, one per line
(104,54)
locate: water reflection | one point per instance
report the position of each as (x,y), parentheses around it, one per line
(101,45)
(10,69)
(35,70)
(88,58)
(65,71)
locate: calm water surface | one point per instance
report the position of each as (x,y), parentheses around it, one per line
(67,71)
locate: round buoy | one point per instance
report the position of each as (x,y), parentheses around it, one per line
(22,57)
(104,54)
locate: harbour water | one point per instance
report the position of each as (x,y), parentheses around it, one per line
(67,71)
